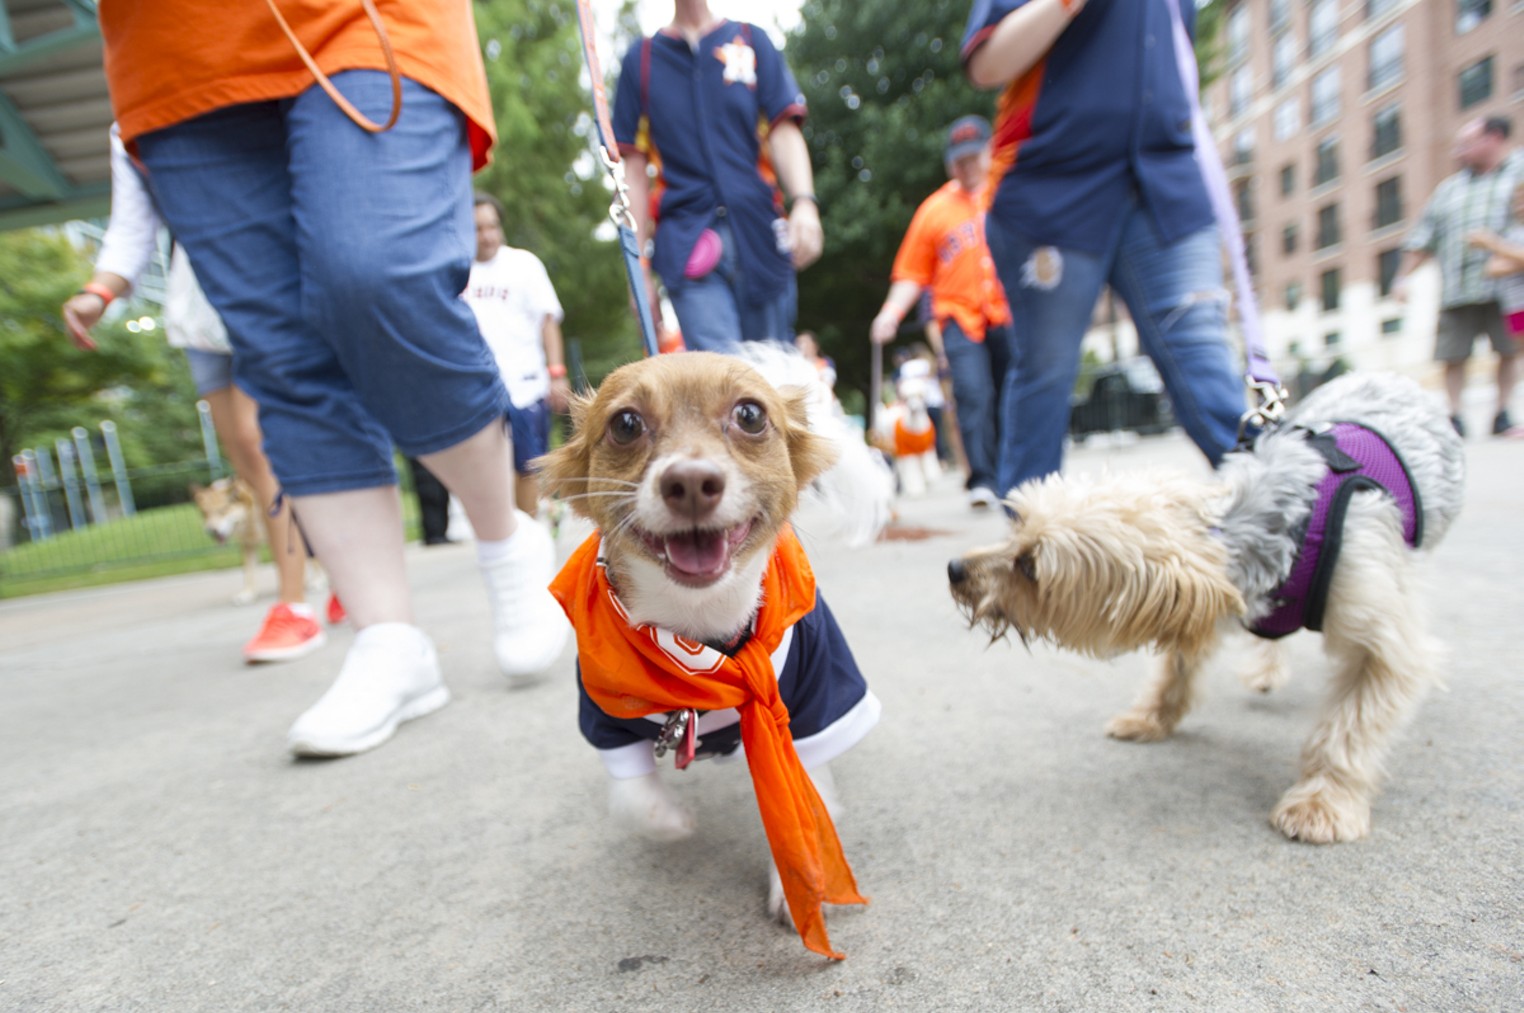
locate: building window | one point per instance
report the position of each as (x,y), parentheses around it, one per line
(1322,27)
(1282,59)
(1327,169)
(1288,119)
(1387,263)
(1388,202)
(1288,179)
(1392,325)
(1332,339)
(1386,132)
(1293,295)
(1328,226)
(1280,14)
(1240,91)
(1288,238)
(1329,282)
(1375,8)
(1476,83)
(1470,13)
(1243,146)
(1243,194)
(1386,52)
(1238,33)
(1325,96)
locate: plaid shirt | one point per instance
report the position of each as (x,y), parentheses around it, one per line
(1462,204)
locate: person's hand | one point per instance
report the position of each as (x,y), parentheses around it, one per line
(1483,239)
(81,312)
(884,327)
(805,236)
(560,394)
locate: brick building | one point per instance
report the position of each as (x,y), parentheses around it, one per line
(1335,120)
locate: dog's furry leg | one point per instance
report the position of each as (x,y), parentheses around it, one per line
(1376,630)
(1268,671)
(250,589)
(1159,709)
(825,786)
(646,806)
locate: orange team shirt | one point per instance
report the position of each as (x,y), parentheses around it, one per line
(168,61)
(944,250)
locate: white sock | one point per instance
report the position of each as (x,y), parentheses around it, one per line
(489,551)
(300,608)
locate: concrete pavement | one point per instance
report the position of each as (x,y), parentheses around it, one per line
(161,852)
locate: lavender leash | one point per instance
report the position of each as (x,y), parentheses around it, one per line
(1261,375)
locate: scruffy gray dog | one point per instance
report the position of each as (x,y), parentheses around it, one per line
(1114,564)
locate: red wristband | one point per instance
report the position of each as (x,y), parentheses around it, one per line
(556,372)
(97,289)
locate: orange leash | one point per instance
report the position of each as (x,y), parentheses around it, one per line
(359,118)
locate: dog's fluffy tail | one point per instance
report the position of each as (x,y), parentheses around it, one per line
(858,490)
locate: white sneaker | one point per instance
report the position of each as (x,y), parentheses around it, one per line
(390,675)
(528,627)
(982,497)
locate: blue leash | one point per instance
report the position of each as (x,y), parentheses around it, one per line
(620,211)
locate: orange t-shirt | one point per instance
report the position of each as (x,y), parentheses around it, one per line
(168,61)
(944,250)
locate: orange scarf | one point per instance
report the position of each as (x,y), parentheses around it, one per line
(632,671)
(910,444)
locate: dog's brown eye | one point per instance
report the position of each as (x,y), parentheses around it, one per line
(750,418)
(626,427)
(1028,566)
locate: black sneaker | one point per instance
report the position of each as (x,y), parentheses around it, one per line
(1460,426)
(1501,423)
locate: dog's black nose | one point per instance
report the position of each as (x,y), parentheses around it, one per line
(693,488)
(956,571)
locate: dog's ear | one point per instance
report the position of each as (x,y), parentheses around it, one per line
(195,489)
(1026,563)
(564,470)
(808,453)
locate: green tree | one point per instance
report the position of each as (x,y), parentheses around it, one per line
(883,82)
(47,386)
(544,173)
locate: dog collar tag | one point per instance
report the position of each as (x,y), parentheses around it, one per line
(689,744)
(680,734)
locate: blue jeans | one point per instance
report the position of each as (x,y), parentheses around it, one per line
(710,311)
(336,258)
(1176,297)
(979,372)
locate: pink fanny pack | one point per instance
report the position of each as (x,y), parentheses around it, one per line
(706,254)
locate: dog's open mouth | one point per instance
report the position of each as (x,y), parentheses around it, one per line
(697,557)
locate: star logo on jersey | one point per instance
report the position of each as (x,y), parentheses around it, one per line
(740,62)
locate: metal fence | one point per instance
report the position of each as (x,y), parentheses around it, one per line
(64,518)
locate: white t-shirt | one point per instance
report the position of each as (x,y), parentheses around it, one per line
(511,296)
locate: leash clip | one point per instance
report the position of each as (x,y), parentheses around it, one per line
(621,211)
(1266,414)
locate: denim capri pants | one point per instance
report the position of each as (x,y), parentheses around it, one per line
(336,258)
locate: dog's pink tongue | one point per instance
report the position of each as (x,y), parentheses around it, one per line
(698,552)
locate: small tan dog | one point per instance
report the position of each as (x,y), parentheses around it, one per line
(698,627)
(230,515)
(1367,467)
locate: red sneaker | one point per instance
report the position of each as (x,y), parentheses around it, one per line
(336,613)
(285,636)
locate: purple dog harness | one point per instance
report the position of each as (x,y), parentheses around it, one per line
(1358,458)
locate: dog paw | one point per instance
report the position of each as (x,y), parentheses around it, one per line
(1137,726)
(1322,816)
(647,807)
(245,597)
(777,905)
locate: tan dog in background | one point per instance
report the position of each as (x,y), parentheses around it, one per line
(230,514)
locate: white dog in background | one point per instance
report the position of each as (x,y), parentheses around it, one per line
(905,430)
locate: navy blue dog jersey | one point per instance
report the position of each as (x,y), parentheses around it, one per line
(830,707)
